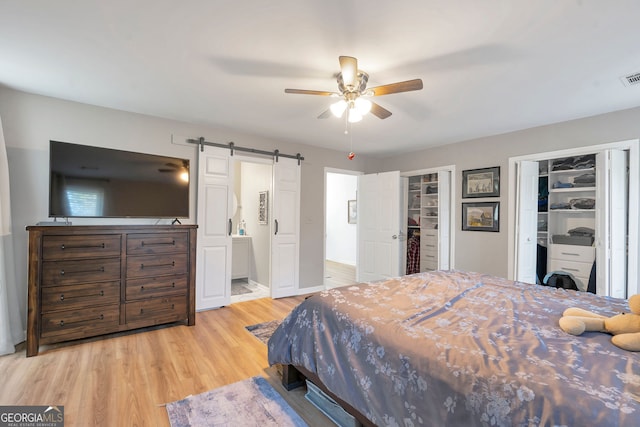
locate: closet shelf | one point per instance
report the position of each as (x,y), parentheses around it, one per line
(571,189)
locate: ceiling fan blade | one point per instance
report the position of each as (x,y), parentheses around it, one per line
(309,92)
(380,112)
(325,114)
(349,69)
(409,85)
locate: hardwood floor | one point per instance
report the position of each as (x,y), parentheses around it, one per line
(338,274)
(126,379)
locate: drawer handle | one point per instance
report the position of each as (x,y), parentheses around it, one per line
(100,294)
(173,285)
(99,270)
(63,246)
(569,253)
(171,264)
(172,243)
(61,324)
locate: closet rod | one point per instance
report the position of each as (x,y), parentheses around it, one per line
(232,146)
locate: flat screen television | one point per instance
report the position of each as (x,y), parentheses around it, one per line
(96,182)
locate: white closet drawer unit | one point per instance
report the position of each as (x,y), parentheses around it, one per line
(428,261)
(572,253)
(579,270)
(577,260)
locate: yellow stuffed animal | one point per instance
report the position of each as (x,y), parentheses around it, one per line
(624,327)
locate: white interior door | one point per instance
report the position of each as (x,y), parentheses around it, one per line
(611,223)
(526,222)
(285,242)
(213,270)
(378,226)
(444,220)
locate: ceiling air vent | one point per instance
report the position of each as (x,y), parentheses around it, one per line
(631,79)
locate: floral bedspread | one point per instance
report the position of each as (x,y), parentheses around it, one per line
(454,348)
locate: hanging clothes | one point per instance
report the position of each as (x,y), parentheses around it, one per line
(413,254)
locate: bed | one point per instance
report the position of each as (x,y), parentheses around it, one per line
(452,348)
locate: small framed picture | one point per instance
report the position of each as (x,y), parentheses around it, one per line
(352,213)
(481,182)
(481,216)
(263,204)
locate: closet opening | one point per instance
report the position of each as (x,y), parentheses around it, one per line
(427,206)
(251,232)
(576,219)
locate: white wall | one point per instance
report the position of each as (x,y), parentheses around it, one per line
(341,236)
(487,252)
(30,121)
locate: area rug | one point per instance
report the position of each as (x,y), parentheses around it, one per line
(263,331)
(251,402)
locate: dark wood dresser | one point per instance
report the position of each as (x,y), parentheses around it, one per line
(92,280)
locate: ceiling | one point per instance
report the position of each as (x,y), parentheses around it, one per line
(488,66)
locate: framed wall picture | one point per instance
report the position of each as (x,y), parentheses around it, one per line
(481,182)
(481,216)
(263,204)
(352,213)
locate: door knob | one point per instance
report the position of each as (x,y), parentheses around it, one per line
(395,236)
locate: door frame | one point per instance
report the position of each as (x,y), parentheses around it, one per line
(239,159)
(633,146)
(452,204)
(328,170)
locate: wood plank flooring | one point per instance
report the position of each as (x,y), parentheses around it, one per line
(126,379)
(337,274)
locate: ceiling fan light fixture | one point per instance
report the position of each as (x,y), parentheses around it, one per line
(354,115)
(337,109)
(363,106)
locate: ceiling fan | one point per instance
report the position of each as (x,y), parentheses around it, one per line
(183,170)
(353,92)
(172,167)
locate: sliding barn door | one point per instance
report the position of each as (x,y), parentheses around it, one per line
(215,198)
(379,226)
(285,241)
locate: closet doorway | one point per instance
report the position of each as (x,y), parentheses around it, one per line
(545,231)
(340,242)
(251,236)
(428,210)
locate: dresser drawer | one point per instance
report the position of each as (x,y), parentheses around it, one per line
(432,233)
(56,298)
(157,243)
(579,269)
(156,265)
(81,323)
(80,271)
(156,287)
(155,311)
(72,247)
(572,252)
